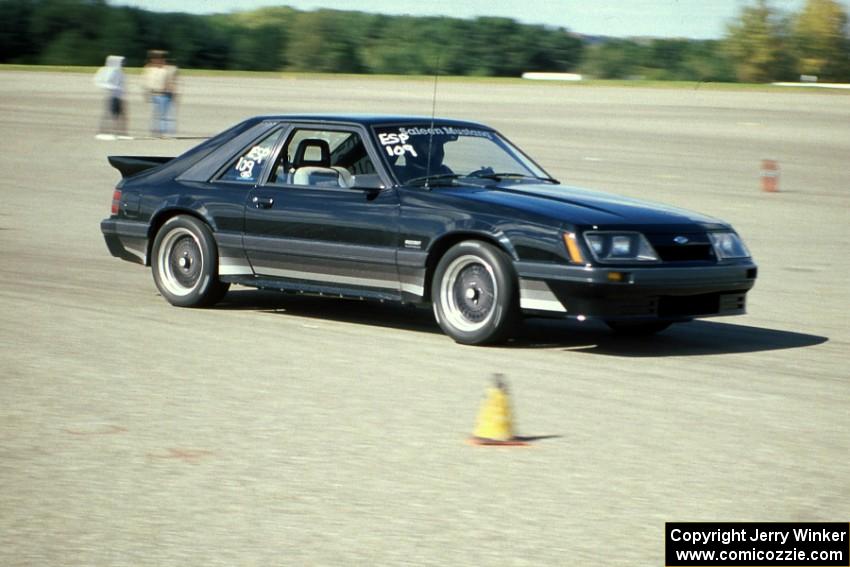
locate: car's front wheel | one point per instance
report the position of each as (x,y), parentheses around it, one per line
(185,263)
(474,293)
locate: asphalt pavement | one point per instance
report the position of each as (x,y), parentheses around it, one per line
(273,430)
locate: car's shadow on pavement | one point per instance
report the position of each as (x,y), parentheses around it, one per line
(703,337)
(391,315)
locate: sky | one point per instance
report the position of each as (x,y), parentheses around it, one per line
(694,19)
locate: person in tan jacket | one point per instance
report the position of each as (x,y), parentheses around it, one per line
(160,82)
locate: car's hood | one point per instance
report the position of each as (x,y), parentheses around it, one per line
(580,206)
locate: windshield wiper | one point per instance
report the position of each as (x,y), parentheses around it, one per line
(510,175)
(427,179)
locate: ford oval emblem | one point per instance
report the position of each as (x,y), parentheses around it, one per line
(681,240)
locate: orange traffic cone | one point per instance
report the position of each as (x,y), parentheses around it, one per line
(495,421)
(769,176)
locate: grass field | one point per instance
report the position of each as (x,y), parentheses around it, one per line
(638,83)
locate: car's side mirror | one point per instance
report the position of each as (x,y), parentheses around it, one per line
(367,182)
(316,177)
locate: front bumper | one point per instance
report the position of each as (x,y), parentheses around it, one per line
(658,292)
(127,240)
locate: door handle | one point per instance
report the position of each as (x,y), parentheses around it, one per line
(263,202)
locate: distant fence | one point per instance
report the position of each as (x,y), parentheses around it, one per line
(815,85)
(552,76)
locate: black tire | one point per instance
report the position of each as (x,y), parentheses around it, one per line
(637,329)
(184,263)
(474,294)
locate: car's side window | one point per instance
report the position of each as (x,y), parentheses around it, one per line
(322,158)
(248,167)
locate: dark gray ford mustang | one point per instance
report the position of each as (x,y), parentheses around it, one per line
(416,210)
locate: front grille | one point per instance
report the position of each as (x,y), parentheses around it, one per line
(685,253)
(685,246)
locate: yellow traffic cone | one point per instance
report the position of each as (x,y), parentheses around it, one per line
(495,421)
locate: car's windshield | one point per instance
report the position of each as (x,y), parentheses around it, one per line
(418,153)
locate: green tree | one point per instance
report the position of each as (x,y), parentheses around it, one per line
(757,43)
(402,45)
(15,43)
(486,44)
(258,38)
(820,42)
(193,41)
(324,41)
(118,36)
(82,32)
(706,61)
(686,60)
(614,59)
(68,31)
(555,50)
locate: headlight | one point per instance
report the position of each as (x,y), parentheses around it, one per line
(728,245)
(620,247)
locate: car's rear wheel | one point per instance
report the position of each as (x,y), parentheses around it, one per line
(637,329)
(185,263)
(474,293)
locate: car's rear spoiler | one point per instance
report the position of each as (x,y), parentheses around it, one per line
(131,165)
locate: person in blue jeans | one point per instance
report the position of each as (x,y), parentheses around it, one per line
(160,82)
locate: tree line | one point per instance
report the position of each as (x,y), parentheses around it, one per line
(761,43)
(82,32)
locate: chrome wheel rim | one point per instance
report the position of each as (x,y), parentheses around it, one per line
(180,261)
(468,293)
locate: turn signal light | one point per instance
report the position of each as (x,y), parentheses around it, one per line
(572,247)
